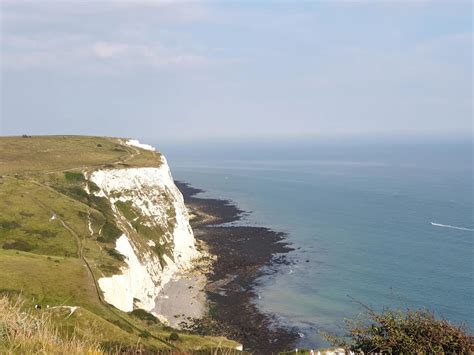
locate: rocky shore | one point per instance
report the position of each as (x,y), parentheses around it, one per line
(242,255)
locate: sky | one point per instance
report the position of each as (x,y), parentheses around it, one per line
(172,71)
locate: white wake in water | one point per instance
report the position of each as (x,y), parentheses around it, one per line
(452,227)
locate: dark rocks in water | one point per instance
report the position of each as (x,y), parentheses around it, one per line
(242,253)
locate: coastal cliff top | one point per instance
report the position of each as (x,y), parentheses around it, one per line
(30,154)
(58,237)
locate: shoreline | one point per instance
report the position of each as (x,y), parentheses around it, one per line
(181,298)
(242,254)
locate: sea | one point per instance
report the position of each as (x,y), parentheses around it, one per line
(384,224)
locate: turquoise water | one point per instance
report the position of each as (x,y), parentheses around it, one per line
(361,223)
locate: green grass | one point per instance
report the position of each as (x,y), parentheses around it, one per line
(73,176)
(48,280)
(27,211)
(45,238)
(57,153)
(127,210)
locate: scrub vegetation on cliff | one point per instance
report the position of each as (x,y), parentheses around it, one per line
(57,240)
(403,332)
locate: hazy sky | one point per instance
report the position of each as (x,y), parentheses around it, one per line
(168,70)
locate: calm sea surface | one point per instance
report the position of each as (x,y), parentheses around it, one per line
(381,225)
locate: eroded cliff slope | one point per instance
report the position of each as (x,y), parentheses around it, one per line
(157,241)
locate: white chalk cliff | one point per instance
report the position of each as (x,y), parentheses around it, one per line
(167,247)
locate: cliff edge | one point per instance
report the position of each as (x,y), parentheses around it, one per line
(92,229)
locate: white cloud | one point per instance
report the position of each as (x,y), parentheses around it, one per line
(83,54)
(109,50)
(53,35)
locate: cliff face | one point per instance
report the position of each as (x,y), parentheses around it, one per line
(157,241)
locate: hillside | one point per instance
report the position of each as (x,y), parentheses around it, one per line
(94,223)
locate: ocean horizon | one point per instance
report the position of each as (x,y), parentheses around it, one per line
(379,225)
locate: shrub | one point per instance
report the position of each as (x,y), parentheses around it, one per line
(145,334)
(44,233)
(110,233)
(174,337)
(75,192)
(9,225)
(72,176)
(26,214)
(109,269)
(144,315)
(397,332)
(18,244)
(115,254)
(93,187)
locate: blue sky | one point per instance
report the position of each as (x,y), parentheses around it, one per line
(175,71)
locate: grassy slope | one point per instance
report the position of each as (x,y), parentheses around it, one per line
(47,252)
(59,153)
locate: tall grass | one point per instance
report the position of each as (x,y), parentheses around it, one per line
(25,331)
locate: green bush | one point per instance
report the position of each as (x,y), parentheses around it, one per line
(18,244)
(43,233)
(75,192)
(71,176)
(397,332)
(100,203)
(174,337)
(110,233)
(8,225)
(26,214)
(93,187)
(109,269)
(115,254)
(145,316)
(119,150)
(145,334)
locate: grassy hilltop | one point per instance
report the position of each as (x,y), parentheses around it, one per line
(56,240)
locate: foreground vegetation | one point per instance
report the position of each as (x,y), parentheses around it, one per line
(56,241)
(61,330)
(399,332)
(23,332)
(29,331)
